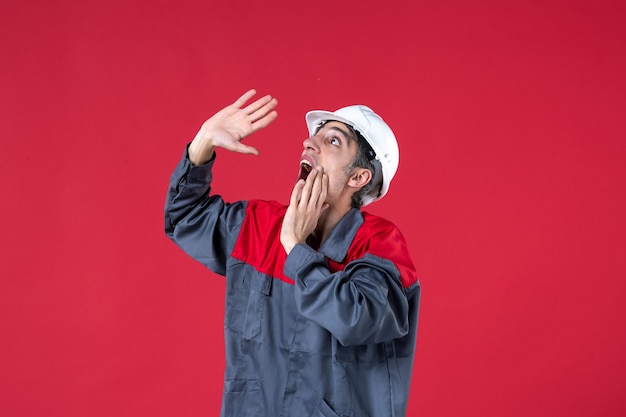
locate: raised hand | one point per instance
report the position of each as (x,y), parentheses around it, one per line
(226,128)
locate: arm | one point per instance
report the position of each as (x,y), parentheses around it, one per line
(365,303)
(200,224)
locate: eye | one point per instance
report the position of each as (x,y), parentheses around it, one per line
(335,141)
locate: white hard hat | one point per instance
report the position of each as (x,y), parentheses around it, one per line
(375,131)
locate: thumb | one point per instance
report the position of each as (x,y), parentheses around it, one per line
(241,148)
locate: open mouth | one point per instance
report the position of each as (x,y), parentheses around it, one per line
(305,169)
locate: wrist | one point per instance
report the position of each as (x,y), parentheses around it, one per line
(289,242)
(289,245)
(200,151)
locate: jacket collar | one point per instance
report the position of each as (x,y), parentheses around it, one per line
(339,241)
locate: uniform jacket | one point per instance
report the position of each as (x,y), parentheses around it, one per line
(327,332)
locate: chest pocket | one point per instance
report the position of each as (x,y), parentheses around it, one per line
(246,295)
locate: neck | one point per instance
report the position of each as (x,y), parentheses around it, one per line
(327,222)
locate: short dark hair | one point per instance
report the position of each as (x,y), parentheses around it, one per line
(364,157)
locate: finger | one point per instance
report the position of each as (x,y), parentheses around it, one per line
(249,150)
(306,190)
(263,122)
(257,104)
(265,112)
(295,194)
(245,149)
(316,190)
(323,192)
(262,111)
(244,98)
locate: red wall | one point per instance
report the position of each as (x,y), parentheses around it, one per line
(511,191)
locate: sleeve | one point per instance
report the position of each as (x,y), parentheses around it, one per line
(365,303)
(203,226)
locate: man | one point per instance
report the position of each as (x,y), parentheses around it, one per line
(321,298)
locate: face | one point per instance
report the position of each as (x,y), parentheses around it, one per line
(334,148)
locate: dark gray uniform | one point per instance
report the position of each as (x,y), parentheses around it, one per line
(326,332)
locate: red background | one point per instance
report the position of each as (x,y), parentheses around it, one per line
(510,191)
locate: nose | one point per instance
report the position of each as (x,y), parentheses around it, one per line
(311,144)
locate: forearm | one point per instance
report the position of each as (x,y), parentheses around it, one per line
(200,224)
(363,304)
(188,186)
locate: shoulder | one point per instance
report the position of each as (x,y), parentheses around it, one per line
(267,209)
(379,228)
(385,240)
(264,213)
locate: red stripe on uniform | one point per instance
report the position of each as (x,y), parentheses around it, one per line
(258,243)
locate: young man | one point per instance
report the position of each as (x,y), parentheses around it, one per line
(322,298)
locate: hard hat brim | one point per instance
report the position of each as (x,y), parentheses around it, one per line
(315,118)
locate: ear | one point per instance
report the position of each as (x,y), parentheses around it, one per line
(360,177)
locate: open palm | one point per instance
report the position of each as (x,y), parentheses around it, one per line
(226,128)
